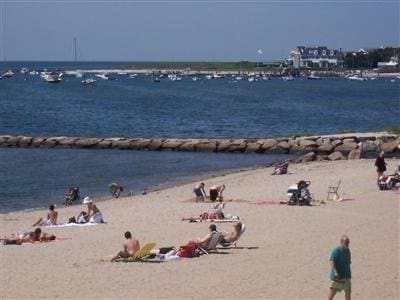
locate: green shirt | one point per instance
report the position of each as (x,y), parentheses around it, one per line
(341,258)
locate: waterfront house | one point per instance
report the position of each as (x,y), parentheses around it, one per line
(315,57)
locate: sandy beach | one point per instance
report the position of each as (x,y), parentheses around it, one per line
(289,261)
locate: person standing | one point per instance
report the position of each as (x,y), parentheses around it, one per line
(380,165)
(340,274)
(199,192)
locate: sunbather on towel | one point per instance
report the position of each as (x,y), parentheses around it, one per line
(30,237)
(50,220)
(130,246)
(203,242)
(93,214)
(232,237)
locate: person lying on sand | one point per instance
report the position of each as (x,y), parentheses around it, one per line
(93,214)
(199,192)
(232,237)
(214,213)
(50,220)
(203,242)
(30,237)
(130,246)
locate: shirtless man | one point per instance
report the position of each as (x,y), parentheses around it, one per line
(232,237)
(50,220)
(131,246)
(216,192)
(203,242)
(30,237)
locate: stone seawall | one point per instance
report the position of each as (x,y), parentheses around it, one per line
(332,147)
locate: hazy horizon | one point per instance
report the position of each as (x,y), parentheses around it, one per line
(189,31)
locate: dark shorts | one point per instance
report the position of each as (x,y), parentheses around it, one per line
(198,192)
(124,254)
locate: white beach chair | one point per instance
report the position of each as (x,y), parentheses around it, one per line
(212,243)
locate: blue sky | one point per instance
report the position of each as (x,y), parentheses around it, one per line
(190,30)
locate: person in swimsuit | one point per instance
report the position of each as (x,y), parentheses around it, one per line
(50,220)
(216,192)
(232,237)
(93,214)
(199,192)
(30,237)
(130,246)
(203,242)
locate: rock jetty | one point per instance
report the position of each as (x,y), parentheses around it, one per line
(307,148)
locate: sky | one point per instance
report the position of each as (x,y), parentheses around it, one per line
(197,30)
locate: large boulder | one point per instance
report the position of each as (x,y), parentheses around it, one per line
(354,154)
(25,141)
(293,142)
(104,144)
(345,148)
(389,147)
(369,147)
(171,144)
(268,144)
(310,156)
(140,144)
(253,147)
(66,142)
(3,140)
(325,148)
(301,150)
(284,145)
(114,142)
(155,144)
(123,145)
(188,146)
(87,142)
(48,143)
(307,143)
(37,141)
(206,146)
(336,142)
(13,141)
(277,150)
(336,156)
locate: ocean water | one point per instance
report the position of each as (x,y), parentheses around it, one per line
(35,178)
(139,107)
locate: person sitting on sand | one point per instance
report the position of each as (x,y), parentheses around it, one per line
(231,238)
(130,246)
(216,192)
(116,189)
(93,214)
(203,242)
(199,192)
(30,237)
(50,220)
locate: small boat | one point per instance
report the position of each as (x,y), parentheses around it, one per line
(357,78)
(251,79)
(266,77)
(239,78)
(314,77)
(133,76)
(372,78)
(195,78)
(156,79)
(102,76)
(209,76)
(24,71)
(88,81)
(33,72)
(392,80)
(288,78)
(122,73)
(78,75)
(52,78)
(217,76)
(7,74)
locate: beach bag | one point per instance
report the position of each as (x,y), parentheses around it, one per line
(71,220)
(187,250)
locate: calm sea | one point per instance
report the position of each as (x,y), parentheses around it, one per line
(141,108)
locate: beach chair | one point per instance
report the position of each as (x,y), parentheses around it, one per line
(142,254)
(227,245)
(212,243)
(333,190)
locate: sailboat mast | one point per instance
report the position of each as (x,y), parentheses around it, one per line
(76,59)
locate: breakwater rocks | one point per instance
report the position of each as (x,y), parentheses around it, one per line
(309,148)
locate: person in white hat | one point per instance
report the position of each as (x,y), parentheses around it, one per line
(93,214)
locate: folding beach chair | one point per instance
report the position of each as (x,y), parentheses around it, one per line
(333,190)
(227,245)
(212,243)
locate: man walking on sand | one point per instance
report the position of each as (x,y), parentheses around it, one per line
(340,275)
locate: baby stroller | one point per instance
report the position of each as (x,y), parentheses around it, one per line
(299,194)
(281,169)
(72,196)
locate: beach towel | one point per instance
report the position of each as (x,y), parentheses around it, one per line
(72,225)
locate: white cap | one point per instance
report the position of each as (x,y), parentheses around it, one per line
(87,200)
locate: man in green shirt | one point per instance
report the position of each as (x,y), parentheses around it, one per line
(340,274)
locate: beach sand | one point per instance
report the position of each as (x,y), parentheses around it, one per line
(290,261)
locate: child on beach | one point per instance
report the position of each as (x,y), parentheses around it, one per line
(199,192)
(130,246)
(50,220)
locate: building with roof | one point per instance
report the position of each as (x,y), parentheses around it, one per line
(315,57)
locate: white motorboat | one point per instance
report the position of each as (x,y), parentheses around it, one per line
(251,79)
(357,78)
(52,78)
(122,73)
(24,71)
(88,81)
(209,76)
(217,76)
(8,74)
(133,76)
(288,78)
(78,75)
(195,78)
(33,72)
(266,77)
(102,76)
(239,78)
